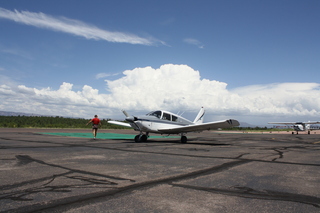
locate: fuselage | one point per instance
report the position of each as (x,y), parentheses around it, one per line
(301,127)
(156,120)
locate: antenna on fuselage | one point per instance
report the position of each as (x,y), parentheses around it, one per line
(181,113)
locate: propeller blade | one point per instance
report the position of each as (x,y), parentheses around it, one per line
(125,113)
(129,118)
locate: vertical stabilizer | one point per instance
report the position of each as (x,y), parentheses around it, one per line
(199,118)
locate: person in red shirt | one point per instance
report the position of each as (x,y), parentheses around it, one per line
(95,125)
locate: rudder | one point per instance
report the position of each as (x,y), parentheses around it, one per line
(200,116)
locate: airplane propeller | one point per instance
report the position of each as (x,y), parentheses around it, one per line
(129,118)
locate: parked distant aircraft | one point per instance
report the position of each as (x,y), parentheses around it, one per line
(298,126)
(164,122)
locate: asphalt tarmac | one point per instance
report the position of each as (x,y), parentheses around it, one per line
(213,172)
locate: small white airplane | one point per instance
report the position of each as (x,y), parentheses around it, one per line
(298,126)
(164,122)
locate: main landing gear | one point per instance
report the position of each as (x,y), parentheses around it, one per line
(298,132)
(184,139)
(144,137)
(141,138)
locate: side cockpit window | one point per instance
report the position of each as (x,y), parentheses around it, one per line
(166,116)
(174,118)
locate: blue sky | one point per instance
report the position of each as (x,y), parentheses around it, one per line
(249,60)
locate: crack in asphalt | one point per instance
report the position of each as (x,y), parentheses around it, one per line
(280,155)
(247,192)
(92,197)
(12,186)
(28,159)
(44,187)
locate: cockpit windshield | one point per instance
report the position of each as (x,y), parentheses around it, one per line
(155,113)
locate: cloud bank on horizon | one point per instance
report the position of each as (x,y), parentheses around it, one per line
(73,27)
(169,87)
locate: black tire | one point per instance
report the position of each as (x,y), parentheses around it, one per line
(184,139)
(143,138)
(137,139)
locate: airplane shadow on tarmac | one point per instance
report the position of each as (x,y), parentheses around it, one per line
(190,141)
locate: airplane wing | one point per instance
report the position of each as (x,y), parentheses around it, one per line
(120,123)
(201,127)
(312,122)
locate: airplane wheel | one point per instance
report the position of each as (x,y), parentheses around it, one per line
(140,138)
(308,132)
(184,139)
(137,138)
(143,138)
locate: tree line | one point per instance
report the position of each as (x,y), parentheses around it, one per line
(50,122)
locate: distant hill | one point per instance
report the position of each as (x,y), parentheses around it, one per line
(244,124)
(5,113)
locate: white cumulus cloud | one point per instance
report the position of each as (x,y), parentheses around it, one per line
(169,87)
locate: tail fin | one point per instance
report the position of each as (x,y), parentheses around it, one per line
(199,118)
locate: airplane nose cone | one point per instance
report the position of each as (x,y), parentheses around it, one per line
(129,119)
